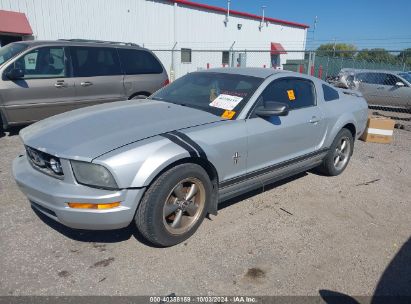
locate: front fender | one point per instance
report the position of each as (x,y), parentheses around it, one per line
(343,120)
(137,164)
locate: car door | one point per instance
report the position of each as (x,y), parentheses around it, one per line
(371,85)
(280,139)
(395,92)
(97,74)
(45,89)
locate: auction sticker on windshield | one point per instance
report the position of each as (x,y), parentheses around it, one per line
(226,102)
(228,114)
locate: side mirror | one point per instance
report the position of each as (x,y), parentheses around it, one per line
(400,84)
(272,108)
(15,74)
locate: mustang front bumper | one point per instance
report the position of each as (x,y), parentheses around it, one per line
(50,196)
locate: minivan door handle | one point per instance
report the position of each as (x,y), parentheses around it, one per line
(86,83)
(314,120)
(60,84)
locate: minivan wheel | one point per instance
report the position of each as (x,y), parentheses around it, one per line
(175,205)
(339,155)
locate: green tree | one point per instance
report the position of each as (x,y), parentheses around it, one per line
(337,50)
(377,55)
(405,57)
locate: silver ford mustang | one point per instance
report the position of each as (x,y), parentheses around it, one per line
(167,161)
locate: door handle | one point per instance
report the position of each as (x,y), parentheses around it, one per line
(60,85)
(86,83)
(314,120)
(380,88)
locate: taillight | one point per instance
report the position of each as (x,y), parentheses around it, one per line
(166,82)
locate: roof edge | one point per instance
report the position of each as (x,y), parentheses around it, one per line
(238,13)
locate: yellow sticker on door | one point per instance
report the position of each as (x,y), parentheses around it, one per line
(291,95)
(228,114)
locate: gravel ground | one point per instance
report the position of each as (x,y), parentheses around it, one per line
(298,237)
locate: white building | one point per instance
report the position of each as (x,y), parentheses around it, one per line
(180,25)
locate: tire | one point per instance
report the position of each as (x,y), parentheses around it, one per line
(167,215)
(331,166)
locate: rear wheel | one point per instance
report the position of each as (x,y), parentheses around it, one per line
(174,205)
(339,155)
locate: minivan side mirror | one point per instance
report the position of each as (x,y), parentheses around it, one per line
(400,84)
(15,74)
(272,108)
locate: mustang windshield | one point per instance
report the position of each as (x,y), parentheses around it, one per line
(218,93)
(10,51)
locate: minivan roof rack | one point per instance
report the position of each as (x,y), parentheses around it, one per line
(100,41)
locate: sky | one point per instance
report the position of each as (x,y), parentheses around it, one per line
(364,23)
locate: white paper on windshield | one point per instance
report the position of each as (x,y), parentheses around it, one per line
(226,102)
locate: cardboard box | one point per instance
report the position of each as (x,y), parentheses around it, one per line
(379,130)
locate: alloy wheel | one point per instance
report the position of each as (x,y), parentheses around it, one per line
(184,205)
(342,153)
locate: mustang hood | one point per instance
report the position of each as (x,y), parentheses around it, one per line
(87,133)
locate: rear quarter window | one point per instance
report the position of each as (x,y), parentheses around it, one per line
(330,93)
(137,62)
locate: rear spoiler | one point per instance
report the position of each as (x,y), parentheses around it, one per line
(352,92)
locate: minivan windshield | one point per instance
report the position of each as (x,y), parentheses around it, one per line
(221,94)
(11,50)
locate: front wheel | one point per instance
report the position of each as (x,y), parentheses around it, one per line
(174,205)
(339,155)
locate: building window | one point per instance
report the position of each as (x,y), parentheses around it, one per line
(226,58)
(186,55)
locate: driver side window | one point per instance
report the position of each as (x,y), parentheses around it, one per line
(297,93)
(45,62)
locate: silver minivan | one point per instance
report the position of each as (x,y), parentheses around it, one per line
(39,79)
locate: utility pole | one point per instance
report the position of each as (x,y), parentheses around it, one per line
(263,19)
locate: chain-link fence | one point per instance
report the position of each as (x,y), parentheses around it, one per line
(383,77)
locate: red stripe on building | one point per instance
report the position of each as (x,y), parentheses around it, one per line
(237,13)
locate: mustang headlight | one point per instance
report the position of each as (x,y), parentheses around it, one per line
(56,166)
(93,175)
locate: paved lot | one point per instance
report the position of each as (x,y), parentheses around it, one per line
(296,238)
